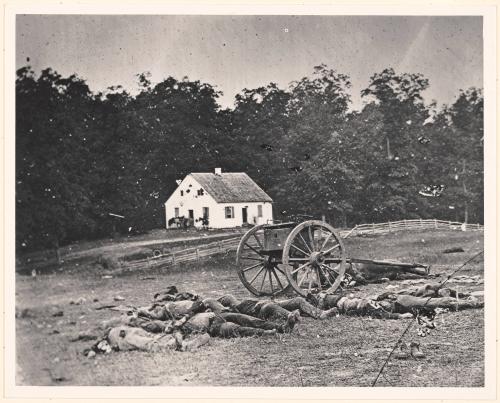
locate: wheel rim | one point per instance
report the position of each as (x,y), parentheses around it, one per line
(261,274)
(314,258)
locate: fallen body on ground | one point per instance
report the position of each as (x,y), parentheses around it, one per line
(377,271)
(185,321)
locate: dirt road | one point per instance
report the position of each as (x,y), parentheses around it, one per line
(116,248)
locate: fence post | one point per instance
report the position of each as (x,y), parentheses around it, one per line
(197,254)
(390,230)
(435,223)
(373,227)
(406,224)
(449,224)
(421,223)
(58,255)
(173,259)
(219,243)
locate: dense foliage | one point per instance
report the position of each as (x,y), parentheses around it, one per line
(82,155)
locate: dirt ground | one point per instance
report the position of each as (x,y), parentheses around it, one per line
(341,351)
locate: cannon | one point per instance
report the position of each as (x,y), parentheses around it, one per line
(304,258)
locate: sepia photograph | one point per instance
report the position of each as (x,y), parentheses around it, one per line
(251,200)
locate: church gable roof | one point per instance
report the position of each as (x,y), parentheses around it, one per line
(231,187)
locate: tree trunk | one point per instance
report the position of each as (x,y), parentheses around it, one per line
(389,155)
(466,207)
(466,211)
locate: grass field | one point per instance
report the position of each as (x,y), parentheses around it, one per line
(342,351)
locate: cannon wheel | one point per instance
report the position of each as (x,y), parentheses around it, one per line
(261,274)
(314,257)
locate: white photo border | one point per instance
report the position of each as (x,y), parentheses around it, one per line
(489,15)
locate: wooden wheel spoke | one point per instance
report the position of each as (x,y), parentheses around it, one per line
(300,250)
(326,241)
(334,274)
(302,279)
(258,241)
(316,271)
(331,269)
(251,267)
(263,280)
(252,258)
(326,252)
(341,288)
(298,260)
(311,236)
(300,267)
(320,273)
(255,250)
(277,278)
(320,240)
(326,275)
(271,281)
(254,277)
(281,271)
(305,243)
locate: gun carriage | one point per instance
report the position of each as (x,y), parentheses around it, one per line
(306,258)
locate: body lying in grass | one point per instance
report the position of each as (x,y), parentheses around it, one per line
(364,273)
(400,304)
(185,321)
(182,321)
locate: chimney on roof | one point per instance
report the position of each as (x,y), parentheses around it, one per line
(218,171)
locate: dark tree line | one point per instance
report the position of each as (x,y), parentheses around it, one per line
(82,155)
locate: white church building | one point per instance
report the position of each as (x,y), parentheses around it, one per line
(218,200)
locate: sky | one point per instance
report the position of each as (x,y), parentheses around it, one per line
(236,52)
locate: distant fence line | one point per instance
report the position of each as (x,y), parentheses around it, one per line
(162,259)
(415,224)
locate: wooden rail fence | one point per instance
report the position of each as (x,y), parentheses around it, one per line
(410,225)
(164,260)
(161,260)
